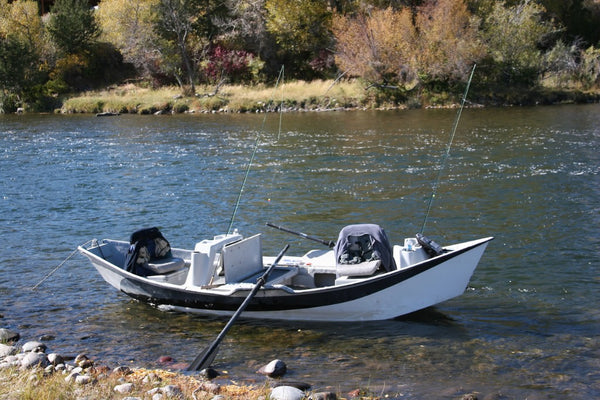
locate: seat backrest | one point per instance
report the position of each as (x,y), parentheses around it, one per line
(146,245)
(364,242)
(242,259)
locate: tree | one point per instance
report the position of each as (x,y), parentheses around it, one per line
(177,22)
(130,27)
(16,61)
(448,37)
(512,36)
(21,43)
(379,47)
(301,29)
(72,26)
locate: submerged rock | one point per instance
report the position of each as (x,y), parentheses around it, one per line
(274,369)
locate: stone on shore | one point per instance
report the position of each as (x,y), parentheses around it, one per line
(8,336)
(124,388)
(32,360)
(323,396)
(34,346)
(55,359)
(286,393)
(7,350)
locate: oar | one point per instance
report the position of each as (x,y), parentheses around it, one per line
(204,359)
(304,235)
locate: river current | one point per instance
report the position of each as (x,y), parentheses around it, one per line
(528,325)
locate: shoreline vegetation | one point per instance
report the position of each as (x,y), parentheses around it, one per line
(29,371)
(318,95)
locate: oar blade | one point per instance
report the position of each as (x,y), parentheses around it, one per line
(204,359)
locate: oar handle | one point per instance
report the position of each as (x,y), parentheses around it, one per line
(329,243)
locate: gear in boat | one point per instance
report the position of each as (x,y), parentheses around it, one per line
(361,250)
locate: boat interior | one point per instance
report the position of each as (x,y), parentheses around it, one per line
(232,260)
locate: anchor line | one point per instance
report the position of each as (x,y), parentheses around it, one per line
(447,154)
(256,144)
(59,265)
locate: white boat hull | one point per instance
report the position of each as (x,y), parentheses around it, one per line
(379,297)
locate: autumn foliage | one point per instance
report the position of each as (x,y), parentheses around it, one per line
(394,47)
(440,42)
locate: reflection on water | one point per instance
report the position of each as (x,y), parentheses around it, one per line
(527,325)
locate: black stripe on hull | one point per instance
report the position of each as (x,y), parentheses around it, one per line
(275,299)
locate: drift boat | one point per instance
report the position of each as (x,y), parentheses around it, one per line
(362,278)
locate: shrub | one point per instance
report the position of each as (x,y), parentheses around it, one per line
(234,65)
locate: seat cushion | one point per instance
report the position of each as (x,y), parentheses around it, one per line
(362,269)
(166,265)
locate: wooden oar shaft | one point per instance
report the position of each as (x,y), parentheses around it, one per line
(304,235)
(204,359)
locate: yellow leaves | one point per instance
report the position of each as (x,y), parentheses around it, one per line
(439,41)
(20,18)
(123,21)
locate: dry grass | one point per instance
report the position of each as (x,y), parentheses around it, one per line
(35,385)
(317,94)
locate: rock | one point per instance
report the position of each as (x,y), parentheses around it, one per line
(55,359)
(151,377)
(274,369)
(165,360)
(171,391)
(209,387)
(323,396)
(83,379)
(8,336)
(32,360)
(122,370)
(83,361)
(71,377)
(298,385)
(34,346)
(7,350)
(47,337)
(123,388)
(286,393)
(208,373)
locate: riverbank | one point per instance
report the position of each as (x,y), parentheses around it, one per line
(318,95)
(30,371)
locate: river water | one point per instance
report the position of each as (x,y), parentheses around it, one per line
(527,327)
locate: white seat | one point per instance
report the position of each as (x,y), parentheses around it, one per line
(362,269)
(166,265)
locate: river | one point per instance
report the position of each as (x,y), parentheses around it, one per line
(527,327)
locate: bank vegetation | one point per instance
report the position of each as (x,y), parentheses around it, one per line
(200,55)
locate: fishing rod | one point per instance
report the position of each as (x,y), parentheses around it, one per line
(328,243)
(256,143)
(437,181)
